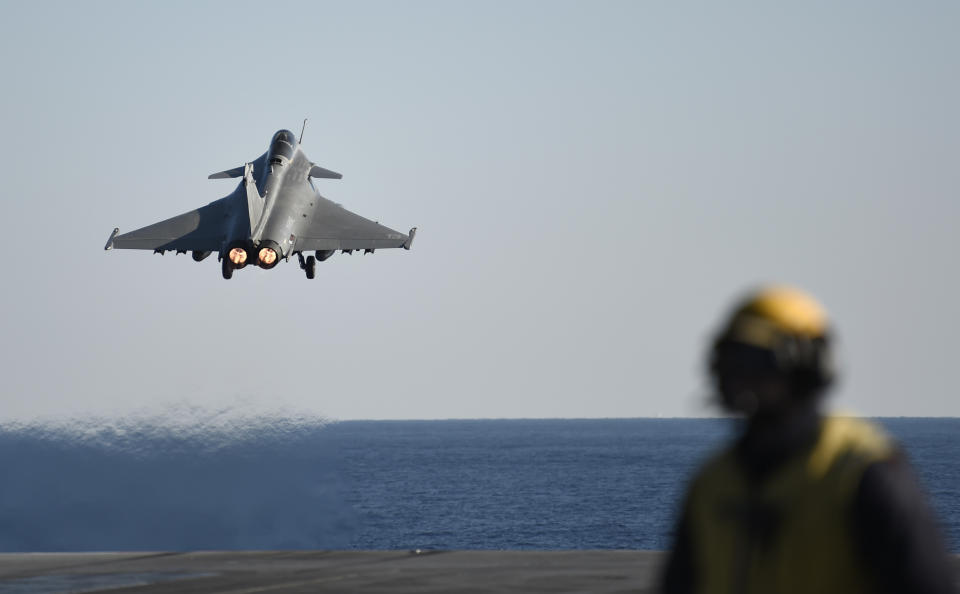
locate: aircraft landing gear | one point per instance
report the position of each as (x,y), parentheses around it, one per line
(308,264)
(227,269)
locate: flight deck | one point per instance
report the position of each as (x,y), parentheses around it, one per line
(330,571)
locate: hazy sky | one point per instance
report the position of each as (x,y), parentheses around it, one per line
(594,183)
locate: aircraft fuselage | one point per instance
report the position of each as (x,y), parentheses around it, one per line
(268,234)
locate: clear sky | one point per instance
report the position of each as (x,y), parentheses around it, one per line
(594,184)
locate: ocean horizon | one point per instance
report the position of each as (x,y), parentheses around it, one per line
(286,482)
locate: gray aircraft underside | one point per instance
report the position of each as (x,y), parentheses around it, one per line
(273,214)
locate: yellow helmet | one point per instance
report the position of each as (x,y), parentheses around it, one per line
(787,324)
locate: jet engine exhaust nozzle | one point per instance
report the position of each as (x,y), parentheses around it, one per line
(268,255)
(238,257)
(268,258)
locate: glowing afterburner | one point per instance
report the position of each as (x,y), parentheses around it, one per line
(238,256)
(267,257)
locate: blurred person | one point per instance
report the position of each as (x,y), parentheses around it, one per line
(800,501)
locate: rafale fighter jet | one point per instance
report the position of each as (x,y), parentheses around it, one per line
(273,214)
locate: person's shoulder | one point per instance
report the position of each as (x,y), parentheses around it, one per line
(845,433)
(849,440)
(851,428)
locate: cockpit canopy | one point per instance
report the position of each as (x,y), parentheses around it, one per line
(283,144)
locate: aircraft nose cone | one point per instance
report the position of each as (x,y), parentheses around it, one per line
(283,144)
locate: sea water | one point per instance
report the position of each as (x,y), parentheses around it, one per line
(305,484)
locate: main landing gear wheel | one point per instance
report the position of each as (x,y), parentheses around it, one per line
(227,269)
(310,266)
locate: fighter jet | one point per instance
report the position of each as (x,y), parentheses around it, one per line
(275,212)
